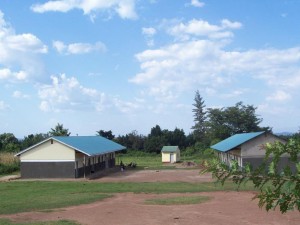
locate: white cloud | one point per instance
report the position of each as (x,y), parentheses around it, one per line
(197,3)
(124,8)
(149,32)
(20,51)
(67,94)
(207,64)
(19,94)
(3,105)
(7,74)
(78,48)
(279,96)
(201,28)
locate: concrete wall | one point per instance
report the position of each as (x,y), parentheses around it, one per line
(253,148)
(50,150)
(47,170)
(283,162)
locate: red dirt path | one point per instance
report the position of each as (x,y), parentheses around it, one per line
(130,209)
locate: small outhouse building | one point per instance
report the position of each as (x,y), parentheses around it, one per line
(170,154)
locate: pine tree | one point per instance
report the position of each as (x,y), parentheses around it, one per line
(199,117)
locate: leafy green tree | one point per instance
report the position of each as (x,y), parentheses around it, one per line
(225,122)
(9,143)
(33,139)
(176,137)
(277,186)
(156,131)
(155,140)
(154,144)
(59,130)
(106,134)
(133,140)
(199,117)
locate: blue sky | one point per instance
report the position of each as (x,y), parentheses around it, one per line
(125,65)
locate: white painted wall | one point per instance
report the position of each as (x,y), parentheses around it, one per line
(165,156)
(48,151)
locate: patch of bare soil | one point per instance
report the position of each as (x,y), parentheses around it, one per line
(130,209)
(177,175)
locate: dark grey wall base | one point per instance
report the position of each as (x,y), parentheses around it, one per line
(283,162)
(47,170)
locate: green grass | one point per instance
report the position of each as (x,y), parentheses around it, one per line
(150,162)
(59,222)
(22,196)
(181,200)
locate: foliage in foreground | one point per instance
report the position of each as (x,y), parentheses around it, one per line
(277,186)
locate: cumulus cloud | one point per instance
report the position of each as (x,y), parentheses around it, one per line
(67,94)
(206,63)
(201,28)
(3,106)
(18,50)
(124,8)
(7,74)
(78,48)
(279,96)
(149,32)
(19,94)
(197,3)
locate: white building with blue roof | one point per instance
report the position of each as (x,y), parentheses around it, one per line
(68,157)
(246,148)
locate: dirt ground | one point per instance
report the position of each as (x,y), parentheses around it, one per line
(130,209)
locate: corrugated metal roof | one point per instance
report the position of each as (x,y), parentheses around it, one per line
(235,141)
(169,148)
(90,145)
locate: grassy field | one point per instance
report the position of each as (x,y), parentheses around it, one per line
(152,162)
(59,222)
(181,200)
(22,196)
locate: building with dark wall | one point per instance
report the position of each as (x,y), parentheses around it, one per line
(247,148)
(68,157)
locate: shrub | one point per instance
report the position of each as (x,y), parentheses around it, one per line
(8,163)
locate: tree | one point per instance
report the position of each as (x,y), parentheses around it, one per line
(277,187)
(9,143)
(106,134)
(59,130)
(199,117)
(33,139)
(154,141)
(156,131)
(225,122)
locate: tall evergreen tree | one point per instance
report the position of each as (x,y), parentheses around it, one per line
(199,117)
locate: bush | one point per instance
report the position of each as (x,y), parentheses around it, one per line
(7,169)
(8,163)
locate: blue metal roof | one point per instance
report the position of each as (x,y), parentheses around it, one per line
(90,145)
(235,141)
